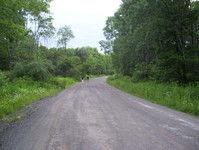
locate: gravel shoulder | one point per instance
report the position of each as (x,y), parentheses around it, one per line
(95,116)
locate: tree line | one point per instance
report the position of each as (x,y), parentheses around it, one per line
(155,40)
(24,25)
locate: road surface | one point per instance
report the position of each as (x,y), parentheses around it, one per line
(96,116)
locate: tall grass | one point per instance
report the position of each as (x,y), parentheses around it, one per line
(185,99)
(23,91)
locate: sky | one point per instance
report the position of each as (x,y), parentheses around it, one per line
(85,17)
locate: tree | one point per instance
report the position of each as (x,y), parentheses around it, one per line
(82,53)
(15,16)
(64,34)
(155,39)
(68,67)
(43,27)
(106,46)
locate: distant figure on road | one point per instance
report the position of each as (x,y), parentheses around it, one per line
(87,78)
(82,79)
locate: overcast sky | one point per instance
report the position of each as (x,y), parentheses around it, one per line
(85,17)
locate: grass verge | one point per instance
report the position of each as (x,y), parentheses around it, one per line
(23,91)
(185,99)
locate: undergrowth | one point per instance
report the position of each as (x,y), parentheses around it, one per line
(185,99)
(23,91)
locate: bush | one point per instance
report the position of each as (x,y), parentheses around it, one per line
(37,70)
(19,70)
(3,78)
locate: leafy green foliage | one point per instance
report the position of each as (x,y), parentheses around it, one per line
(28,67)
(65,34)
(23,26)
(15,27)
(185,99)
(155,40)
(38,70)
(80,62)
(19,70)
(23,91)
(3,78)
(68,66)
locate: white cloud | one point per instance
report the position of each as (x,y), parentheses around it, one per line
(85,17)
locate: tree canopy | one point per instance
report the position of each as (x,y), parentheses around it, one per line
(16,17)
(155,40)
(65,34)
(24,25)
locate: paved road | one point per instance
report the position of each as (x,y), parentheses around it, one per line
(96,116)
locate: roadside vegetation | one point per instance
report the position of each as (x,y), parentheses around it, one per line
(155,40)
(155,49)
(185,99)
(20,92)
(29,69)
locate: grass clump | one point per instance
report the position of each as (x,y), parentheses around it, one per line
(185,99)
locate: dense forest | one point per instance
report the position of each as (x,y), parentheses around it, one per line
(24,26)
(155,40)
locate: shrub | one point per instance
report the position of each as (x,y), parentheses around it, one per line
(38,71)
(3,78)
(19,70)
